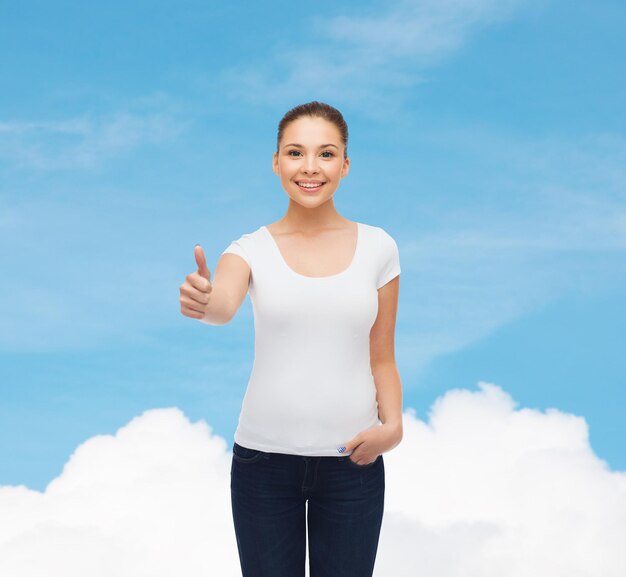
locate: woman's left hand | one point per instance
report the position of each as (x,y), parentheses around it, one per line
(368,444)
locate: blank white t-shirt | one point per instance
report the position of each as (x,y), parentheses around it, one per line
(311,388)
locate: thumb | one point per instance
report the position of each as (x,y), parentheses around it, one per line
(348,447)
(203,270)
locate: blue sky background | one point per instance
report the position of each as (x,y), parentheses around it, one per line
(489,138)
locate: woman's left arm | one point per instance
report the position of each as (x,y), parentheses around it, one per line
(368,444)
(383,361)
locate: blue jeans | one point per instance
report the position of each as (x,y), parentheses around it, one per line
(345,511)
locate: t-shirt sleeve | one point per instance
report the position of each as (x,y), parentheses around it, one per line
(389,260)
(240,247)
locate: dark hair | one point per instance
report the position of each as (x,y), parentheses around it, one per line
(315,109)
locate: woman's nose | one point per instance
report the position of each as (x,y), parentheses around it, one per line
(310,164)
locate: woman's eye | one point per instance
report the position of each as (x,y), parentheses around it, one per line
(289,153)
(327,152)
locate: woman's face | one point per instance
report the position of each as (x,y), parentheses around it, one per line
(310,150)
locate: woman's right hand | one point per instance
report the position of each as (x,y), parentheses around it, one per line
(195,292)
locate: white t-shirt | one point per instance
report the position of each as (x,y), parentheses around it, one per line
(311,388)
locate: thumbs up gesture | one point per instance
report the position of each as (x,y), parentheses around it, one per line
(195,292)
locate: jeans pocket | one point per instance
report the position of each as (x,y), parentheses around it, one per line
(366,466)
(245,454)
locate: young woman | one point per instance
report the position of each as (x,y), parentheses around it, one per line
(324,400)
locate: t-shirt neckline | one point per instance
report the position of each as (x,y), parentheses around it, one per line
(359,234)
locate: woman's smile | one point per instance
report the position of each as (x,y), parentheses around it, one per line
(307,186)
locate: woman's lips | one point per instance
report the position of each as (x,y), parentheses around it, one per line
(310,188)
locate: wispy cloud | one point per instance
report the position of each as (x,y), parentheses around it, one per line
(511,491)
(372,60)
(426,29)
(81,142)
(513,239)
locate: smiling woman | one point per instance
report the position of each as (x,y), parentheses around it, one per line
(314,159)
(324,399)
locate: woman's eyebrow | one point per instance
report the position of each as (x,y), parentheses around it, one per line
(320,146)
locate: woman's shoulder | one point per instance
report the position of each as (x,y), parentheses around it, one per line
(251,235)
(377,232)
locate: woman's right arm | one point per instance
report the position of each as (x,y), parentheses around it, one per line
(215,303)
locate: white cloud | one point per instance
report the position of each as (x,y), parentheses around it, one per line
(480,490)
(151,500)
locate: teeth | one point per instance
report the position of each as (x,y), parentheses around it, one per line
(305,185)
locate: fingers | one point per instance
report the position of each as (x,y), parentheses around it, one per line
(189,312)
(193,302)
(195,293)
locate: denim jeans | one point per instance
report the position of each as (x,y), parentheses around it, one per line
(269,492)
